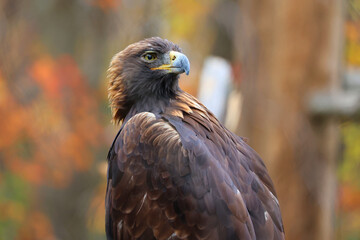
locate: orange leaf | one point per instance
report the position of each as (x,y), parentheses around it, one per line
(43,72)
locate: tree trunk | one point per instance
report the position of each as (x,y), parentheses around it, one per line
(288,50)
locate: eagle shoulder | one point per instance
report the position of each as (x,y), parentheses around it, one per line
(151,135)
(147,163)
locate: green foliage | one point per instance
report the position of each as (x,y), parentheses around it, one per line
(353,9)
(14,188)
(14,201)
(350,167)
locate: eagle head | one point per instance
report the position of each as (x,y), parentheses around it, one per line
(147,69)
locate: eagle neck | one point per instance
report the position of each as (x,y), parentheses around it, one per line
(156,97)
(153,103)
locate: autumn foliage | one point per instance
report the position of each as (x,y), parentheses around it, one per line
(48,139)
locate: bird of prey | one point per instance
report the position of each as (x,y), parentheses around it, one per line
(174,171)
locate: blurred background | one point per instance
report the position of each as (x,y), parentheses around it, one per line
(284,74)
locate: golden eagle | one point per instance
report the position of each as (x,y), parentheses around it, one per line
(175,172)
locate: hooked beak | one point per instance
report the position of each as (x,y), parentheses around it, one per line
(179,63)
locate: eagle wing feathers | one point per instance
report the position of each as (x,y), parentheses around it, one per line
(170,182)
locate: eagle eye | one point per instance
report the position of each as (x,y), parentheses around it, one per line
(150,56)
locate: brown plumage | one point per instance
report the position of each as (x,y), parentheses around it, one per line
(174,171)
